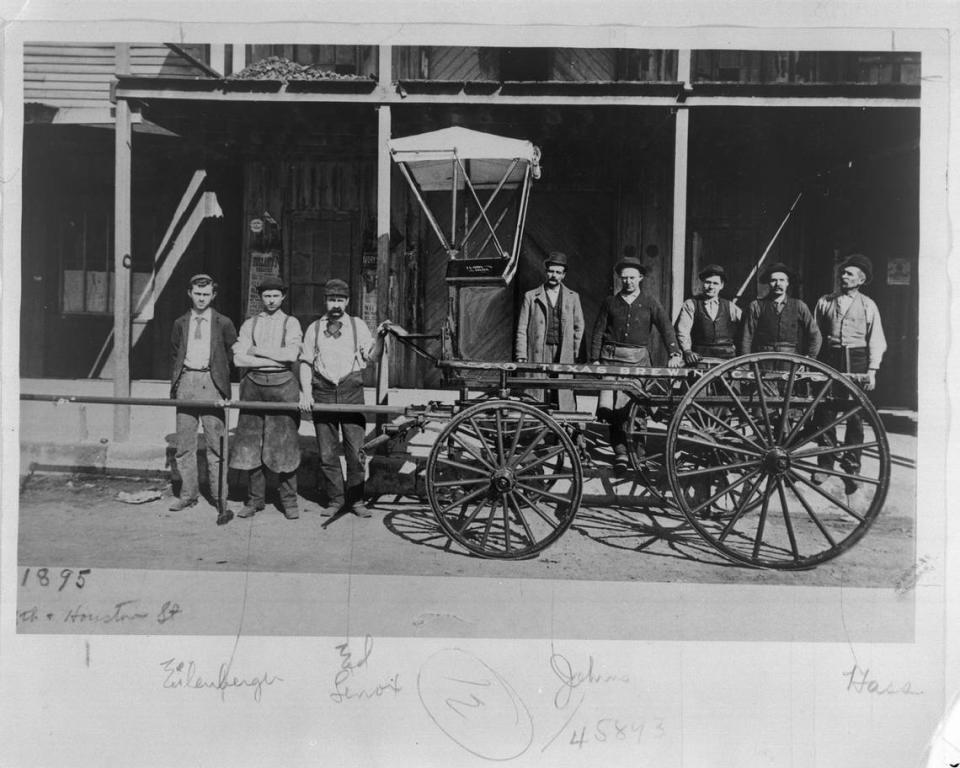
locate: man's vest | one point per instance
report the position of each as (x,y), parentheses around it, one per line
(708,334)
(777,330)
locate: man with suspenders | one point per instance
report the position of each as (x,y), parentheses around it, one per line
(333,356)
(268,347)
(707,324)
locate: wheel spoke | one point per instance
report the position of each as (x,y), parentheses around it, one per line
(811,409)
(466,467)
(731,430)
(787,394)
(483,441)
(836,422)
(712,470)
(489,524)
(523,521)
(472,451)
(742,508)
(552,523)
(548,494)
(763,402)
(830,471)
(540,435)
(740,406)
(723,491)
(516,436)
(786,519)
(837,448)
(453,483)
(551,453)
(506,522)
(832,499)
(473,516)
(716,446)
(558,476)
(810,512)
(500,453)
(463,500)
(761,524)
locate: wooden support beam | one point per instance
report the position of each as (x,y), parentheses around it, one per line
(680,156)
(123,145)
(383,206)
(218,57)
(239,57)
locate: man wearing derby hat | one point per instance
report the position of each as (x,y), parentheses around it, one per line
(853,343)
(707,325)
(200,347)
(621,336)
(335,351)
(550,327)
(267,348)
(778,322)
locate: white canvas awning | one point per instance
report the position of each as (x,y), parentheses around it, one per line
(431,158)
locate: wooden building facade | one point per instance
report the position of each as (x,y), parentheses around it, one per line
(683,157)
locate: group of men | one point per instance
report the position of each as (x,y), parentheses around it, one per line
(280,364)
(844,330)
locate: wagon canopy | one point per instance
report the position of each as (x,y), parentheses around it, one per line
(458,164)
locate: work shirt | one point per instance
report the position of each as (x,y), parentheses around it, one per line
(628,323)
(277,335)
(852,321)
(688,311)
(198,340)
(334,353)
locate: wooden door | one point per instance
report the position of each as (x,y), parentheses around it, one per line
(321,246)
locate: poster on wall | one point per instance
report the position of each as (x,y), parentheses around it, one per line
(898,272)
(262,264)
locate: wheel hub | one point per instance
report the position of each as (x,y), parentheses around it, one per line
(776,461)
(503,480)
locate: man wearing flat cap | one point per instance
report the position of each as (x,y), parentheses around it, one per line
(708,325)
(200,348)
(778,322)
(267,349)
(621,336)
(335,351)
(853,343)
(550,327)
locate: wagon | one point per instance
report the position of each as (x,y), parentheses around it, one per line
(752,452)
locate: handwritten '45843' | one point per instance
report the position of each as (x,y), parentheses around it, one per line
(609,729)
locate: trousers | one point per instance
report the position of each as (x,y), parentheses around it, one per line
(198,385)
(329,428)
(849,360)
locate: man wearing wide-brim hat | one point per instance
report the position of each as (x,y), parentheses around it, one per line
(621,336)
(853,343)
(778,322)
(550,326)
(267,349)
(708,325)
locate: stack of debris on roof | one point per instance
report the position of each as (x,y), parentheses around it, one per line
(283,69)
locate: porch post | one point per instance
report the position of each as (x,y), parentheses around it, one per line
(680,149)
(383,201)
(121,255)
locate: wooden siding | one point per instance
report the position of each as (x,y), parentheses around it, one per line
(584,64)
(79,75)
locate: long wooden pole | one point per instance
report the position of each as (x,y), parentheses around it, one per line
(383,207)
(121,252)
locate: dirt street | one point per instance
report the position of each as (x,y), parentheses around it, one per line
(79,521)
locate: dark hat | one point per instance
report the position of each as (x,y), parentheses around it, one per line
(201,279)
(630,261)
(556,257)
(336,287)
(271,283)
(713,269)
(776,267)
(859,261)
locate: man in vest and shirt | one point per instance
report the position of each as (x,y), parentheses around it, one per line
(550,327)
(853,343)
(333,356)
(268,347)
(779,323)
(200,347)
(707,324)
(621,336)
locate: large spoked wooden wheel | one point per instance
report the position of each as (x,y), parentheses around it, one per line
(504,479)
(765,460)
(646,448)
